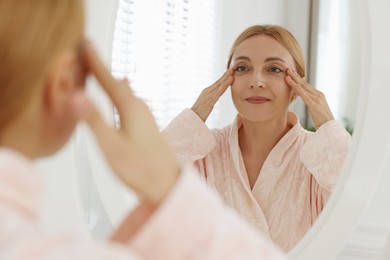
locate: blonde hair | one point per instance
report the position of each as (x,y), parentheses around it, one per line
(33,33)
(280,34)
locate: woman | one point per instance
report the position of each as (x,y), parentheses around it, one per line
(43,65)
(265,165)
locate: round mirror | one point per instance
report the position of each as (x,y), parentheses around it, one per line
(105,204)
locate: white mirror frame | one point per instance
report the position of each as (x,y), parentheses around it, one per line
(370,148)
(366,161)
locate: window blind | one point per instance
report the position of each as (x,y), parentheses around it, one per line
(167,49)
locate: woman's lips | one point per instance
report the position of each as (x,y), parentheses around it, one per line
(257,100)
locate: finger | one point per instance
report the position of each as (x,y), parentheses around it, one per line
(119,96)
(300,81)
(295,76)
(224,86)
(297,89)
(223,79)
(85,110)
(293,84)
(223,83)
(125,81)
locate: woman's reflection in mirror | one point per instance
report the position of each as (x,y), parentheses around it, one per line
(276,174)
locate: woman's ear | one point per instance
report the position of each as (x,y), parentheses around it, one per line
(57,101)
(59,85)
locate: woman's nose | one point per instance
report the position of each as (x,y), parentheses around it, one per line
(257,80)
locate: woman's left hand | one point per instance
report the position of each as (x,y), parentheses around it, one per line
(314,99)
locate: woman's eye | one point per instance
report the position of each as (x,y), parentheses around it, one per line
(275,70)
(241,69)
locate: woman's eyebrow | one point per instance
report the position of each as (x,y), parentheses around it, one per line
(266,60)
(274,59)
(242,58)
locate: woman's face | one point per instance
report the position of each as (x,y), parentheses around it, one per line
(259,91)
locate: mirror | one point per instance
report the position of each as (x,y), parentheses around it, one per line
(353,180)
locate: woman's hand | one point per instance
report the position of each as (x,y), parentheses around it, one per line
(210,95)
(136,151)
(315,100)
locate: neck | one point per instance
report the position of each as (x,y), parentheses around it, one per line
(23,134)
(257,137)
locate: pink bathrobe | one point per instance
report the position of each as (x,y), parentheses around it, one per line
(192,223)
(294,183)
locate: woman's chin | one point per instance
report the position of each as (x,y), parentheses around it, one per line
(257,117)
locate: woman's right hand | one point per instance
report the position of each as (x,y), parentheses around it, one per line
(136,150)
(210,95)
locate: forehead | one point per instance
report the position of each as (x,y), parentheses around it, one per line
(260,47)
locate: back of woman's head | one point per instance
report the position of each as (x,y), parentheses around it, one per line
(281,35)
(33,34)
